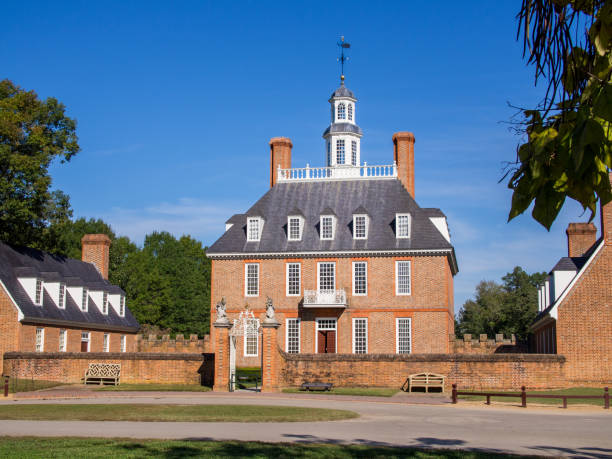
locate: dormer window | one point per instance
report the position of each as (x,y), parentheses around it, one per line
(402,225)
(327,227)
(122,306)
(61,296)
(350,112)
(294,229)
(340,155)
(341,111)
(85,300)
(38,294)
(360,226)
(105,303)
(254,227)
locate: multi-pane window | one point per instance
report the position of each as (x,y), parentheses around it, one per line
(104,303)
(293,336)
(293,279)
(402,335)
(340,151)
(328,154)
(61,303)
(402,277)
(350,112)
(327,277)
(106,342)
(360,336)
(360,226)
(40,339)
(327,227)
(294,228)
(353,152)
(402,225)
(38,293)
(251,286)
(251,338)
(253,229)
(360,278)
(123,343)
(326,324)
(62,341)
(85,299)
(341,111)
(122,305)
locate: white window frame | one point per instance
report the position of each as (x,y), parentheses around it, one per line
(355,321)
(123,343)
(397,335)
(85,300)
(245,341)
(106,342)
(349,111)
(397,226)
(62,340)
(253,236)
(340,150)
(61,296)
(341,112)
(87,336)
(246,279)
(354,152)
(333,263)
(365,226)
(397,276)
(38,292)
(122,306)
(105,303)
(355,293)
(331,219)
(297,322)
(299,279)
(40,339)
(326,320)
(291,219)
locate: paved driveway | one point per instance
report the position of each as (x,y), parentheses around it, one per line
(394,422)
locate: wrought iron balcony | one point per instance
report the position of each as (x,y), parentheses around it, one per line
(325,298)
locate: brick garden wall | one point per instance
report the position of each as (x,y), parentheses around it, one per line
(493,371)
(179,345)
(135,367)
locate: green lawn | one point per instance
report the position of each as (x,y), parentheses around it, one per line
(28,385)
(28,447)
(371,391)
(190,413)
(249,372)
(548,401)
(157,387)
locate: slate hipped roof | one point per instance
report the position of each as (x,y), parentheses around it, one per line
(383,199)
(26,262)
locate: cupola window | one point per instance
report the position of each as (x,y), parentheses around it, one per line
(350,112)
(254,227)
(340,151)
(341,111)
(354,152)
(402,225)
(328,154)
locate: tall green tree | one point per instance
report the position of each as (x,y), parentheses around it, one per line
(33,133)
(507,308)
(568,141)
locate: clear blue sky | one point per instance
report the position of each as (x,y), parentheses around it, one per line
(176,103)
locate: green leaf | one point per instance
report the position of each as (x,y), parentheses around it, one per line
(602,103)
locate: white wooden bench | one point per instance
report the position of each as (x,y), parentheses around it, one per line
(425,380)
(103,374)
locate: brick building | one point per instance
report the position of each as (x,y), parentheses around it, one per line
(350,261)
(575,318)
(50,303)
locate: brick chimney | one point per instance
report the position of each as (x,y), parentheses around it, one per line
(580,238)
(606,219)
(280,155)
(95,248)
(403,155)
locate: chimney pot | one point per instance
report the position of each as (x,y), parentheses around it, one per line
(95,249)
(280,156)
(403,156)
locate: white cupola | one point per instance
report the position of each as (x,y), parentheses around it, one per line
(342,137)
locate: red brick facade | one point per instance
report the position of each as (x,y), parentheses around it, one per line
(95,249)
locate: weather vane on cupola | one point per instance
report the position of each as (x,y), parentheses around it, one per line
(342,59)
